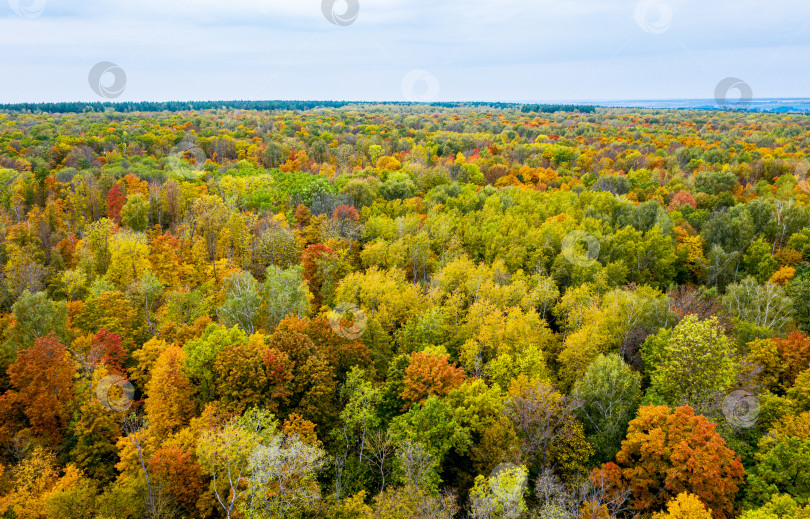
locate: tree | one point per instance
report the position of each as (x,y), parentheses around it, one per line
(342,353)
(282,477)
(181,476)
(135,212)
(284,293)
(609,394)
(242,302)
(169,394)
(95,433)
(782,469)
(102,349)
(43,379)
(250,374)
(147,295)
(33,479)
(321,265)
(210,217)
(35,316)
(799,291)
(129,258)
(312,392)
(794,354)
(73,496)
(546,424)
(201,356)
(225,451)
(500,495)
(113,312)
(764,305)
(685,506)
(779,507)
(694,364)
(115,201)
(135,449)
(429,374)
(433,426)
(359,418)
(657,457)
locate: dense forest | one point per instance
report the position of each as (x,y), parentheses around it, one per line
(403,311)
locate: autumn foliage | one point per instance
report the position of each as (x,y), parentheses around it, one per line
(668,452)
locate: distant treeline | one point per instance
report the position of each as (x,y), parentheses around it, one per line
(549,109)
(179,106)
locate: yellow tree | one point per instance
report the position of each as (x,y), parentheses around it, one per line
(170,396)
(33,478)
(129,258)
(685,506)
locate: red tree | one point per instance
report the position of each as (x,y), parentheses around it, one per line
(313,259)
(115,201)
(107,350)
(179,471)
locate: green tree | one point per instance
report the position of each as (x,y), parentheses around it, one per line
(283,293)
(694,364)
(782,469)
(609,395)
(34,316)
(135,212)
(499,495)
(201,356)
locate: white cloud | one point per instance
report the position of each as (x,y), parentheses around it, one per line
(478,49)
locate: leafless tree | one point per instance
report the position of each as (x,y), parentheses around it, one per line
(542,417)
(135,427)
(379,451)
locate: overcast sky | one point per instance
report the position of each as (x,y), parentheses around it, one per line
(490,50)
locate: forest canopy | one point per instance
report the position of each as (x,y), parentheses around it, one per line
(334,310)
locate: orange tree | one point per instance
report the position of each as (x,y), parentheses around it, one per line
(667,452)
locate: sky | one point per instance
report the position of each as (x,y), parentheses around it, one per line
(402,50)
